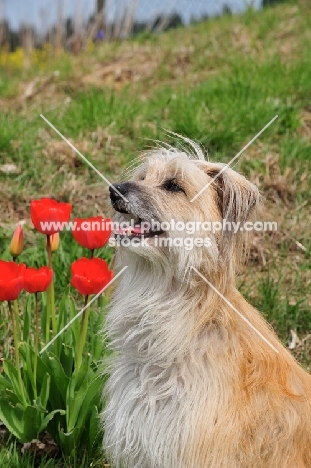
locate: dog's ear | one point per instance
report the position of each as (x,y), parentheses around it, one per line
(238,199)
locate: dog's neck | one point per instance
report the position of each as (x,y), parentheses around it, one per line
(158,316)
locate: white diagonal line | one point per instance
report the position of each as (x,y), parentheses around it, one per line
(236,310)
(233,159)
(81,311)
(83,157)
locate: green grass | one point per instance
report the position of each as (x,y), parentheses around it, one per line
(10,456)
(218,82)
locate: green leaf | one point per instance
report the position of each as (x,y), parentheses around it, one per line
(75,396)
(75,326)
(11,397)
(92,395)
(30,307)
(85,371)
(5,383)
(55,399)
(31,423)
(38,405)
(62,315)
(28,356)
(11,372)
(45,389)
(97,339)
(12,417)
(43,312)
(67,359)
(69,440)
(80,397)
(58,375)
(48,418)
(94,430)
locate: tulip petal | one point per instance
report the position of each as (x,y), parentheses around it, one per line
(93,232)
(38,280)
(90,276)
(49,211)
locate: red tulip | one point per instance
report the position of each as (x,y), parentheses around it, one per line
(92,233)
(48,215)
(37,280)
(11,280)
(17,242)
(90,275)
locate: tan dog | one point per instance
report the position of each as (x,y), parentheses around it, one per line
(192,384)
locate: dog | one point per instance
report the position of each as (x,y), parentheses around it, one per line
(197,378)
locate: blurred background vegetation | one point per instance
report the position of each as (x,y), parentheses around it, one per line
(33,32)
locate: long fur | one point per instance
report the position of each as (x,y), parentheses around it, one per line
(191,384)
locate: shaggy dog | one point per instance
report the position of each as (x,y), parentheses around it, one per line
(198,379)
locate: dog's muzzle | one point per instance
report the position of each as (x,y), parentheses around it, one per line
(119,201)
(118,197)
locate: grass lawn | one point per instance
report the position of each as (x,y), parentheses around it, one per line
(218,82)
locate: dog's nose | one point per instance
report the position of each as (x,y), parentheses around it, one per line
(116,190)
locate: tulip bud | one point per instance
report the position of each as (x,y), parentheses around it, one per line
(54,240)
(17,242)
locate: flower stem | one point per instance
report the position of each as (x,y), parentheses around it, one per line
(48,305)
(16,317)
(35,362)
(16,344)
(51,298)
(83,332)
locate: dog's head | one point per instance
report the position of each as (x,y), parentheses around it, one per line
(161,217)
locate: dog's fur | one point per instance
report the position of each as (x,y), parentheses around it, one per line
(191,384)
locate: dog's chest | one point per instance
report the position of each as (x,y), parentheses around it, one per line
(154,388)
(150,404)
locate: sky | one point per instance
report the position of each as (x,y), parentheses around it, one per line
(31,11)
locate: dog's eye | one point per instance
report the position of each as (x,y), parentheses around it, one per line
(172,186)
